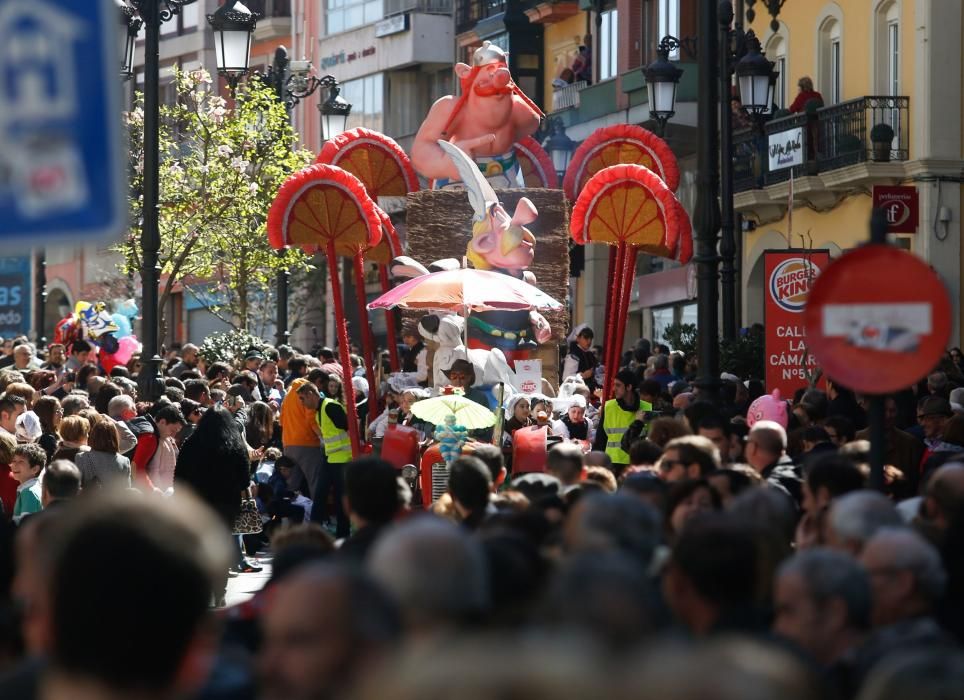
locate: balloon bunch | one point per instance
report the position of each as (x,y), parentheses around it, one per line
(111,335)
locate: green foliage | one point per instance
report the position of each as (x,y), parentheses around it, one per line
(744,356)
(681,337)
(220,169)
(229,346)
(881,133)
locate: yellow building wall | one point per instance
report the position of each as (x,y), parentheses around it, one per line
(802,21)
(846,226)
(561,43)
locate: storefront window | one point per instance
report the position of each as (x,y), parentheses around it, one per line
(662,319)
(366,96)
(346,14)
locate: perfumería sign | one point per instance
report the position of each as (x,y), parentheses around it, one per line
(786,148)
(901,206)
(346,57)
(391,25)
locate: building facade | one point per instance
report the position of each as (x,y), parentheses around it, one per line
(895,63)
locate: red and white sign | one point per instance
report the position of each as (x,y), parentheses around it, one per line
(878,319)
(901,205)
(789,276)
(528,376)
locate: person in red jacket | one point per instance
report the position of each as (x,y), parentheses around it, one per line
(8,484)
(806,94)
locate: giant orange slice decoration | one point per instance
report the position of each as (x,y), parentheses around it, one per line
(536,165)
(620,144)
(627,204)
(324,204)
(375,159)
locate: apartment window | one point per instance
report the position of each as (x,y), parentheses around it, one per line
(667,22)
(835,71)
(367,98)
(776,51)
(346,14)
(830,60)
(893,55)
(608,45)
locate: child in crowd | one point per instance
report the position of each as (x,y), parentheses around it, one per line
(28,461)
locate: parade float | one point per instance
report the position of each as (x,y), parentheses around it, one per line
(484,267)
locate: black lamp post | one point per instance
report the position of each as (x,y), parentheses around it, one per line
(152,13)
(130,26)
(334,111)
(233,26)
(662,79)
(559,146)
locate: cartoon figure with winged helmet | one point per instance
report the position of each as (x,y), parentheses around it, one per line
(485,122)
(500,243)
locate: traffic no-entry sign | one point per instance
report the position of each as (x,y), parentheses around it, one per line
(61,160)
(878,319)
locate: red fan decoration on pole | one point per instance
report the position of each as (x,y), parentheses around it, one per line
(384,169)
(631,208)
(620,144)
(323,207)
(536,164)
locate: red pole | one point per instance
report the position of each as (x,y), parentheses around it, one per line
(610,279)
(390,327)
(342,330)
(368,339)
(628,276)
(611,313)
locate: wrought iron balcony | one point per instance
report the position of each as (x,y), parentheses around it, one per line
(833,137)
(469,12)
(429,7)
(270,8)
(568,96)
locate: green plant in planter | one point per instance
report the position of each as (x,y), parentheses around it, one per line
(881,136)
(882,133)
(848,143)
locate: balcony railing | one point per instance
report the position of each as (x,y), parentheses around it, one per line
(470,12)
(269,8)
(429,7)
(833,137)
(568,96)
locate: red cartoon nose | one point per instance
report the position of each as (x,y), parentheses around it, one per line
(501,77)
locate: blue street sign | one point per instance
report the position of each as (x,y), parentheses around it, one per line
(62,172)
(14,296)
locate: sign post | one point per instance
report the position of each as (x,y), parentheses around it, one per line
(878,319)
(61,159)
(789,275)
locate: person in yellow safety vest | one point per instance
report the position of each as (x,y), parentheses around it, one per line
(332,420)
(616,417)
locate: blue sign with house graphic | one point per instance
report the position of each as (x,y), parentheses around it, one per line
(61,151)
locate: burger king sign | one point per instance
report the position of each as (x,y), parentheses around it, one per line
(789,276)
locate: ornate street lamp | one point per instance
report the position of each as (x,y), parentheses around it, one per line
(559,146)
(233,26)
(334,110)
(130,26)
(662,79)
(772,6)
(756,78)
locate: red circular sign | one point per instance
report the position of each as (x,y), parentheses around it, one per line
(878,319)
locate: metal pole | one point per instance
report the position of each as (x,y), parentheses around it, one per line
(707,209)
(279,74)
(40,298)
(727,235)
(875,412)
(150,378)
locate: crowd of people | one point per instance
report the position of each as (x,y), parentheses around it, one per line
(667,547)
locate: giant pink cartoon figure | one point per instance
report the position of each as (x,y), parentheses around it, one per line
(485,121)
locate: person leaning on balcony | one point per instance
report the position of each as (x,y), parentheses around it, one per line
(806,94)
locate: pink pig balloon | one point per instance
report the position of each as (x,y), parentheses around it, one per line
(768,407)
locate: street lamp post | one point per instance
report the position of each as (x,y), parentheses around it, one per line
(233,25)
(662,79)
(727,215)
(559,146)
(707,217)
(152,13)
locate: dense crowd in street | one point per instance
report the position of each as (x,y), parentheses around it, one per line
(667,547)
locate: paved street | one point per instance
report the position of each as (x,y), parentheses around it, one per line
(243,586)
